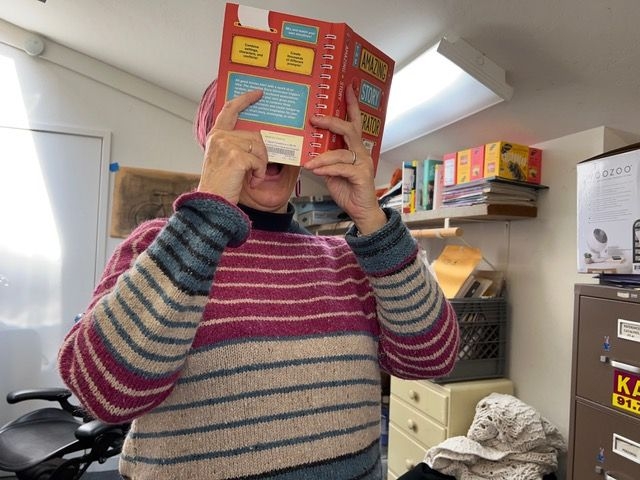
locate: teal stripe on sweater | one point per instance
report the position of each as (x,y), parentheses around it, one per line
(252,448)
(256,367)
(280,339)
(384,250)
(133,368)
(154,313)
(267,393)
(299,414)
(160,292)
(387,284)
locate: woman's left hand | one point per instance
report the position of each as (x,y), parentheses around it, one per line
(349,174)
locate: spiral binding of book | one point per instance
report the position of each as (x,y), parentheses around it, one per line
(304,67)
(322,97)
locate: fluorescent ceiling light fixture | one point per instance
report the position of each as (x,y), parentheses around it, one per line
(450,81)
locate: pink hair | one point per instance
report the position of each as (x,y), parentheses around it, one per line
(204,117)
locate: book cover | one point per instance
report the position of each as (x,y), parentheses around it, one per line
(450,162)
(303,66)
(438,186)
(420,191)
(463,166)
(477,163)
(409,169)
(428,182)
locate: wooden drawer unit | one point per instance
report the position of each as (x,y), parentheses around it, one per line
(604,436)
(423,414)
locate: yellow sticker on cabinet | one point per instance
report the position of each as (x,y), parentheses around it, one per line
(626,391)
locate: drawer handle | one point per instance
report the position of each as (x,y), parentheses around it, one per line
(616,364)
(411,425)
(413,395)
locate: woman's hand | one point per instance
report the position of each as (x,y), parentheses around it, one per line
(349,174)
(230,155)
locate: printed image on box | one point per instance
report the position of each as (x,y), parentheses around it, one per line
(609,214)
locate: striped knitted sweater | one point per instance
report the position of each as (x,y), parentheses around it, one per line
(241,353)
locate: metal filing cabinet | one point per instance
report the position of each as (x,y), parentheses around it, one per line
(423,414)
(604,438)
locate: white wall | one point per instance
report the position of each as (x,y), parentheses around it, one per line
(143,135)
(540,259)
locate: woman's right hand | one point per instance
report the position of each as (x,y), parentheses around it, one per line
(233,156)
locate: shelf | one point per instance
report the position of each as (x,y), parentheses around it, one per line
(481,212)
(429,218)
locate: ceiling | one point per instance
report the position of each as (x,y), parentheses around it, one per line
(574,64)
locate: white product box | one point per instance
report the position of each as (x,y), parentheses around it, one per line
(609,212)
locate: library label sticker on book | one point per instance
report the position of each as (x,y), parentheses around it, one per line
(282,147)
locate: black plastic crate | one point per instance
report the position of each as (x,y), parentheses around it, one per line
(483,339)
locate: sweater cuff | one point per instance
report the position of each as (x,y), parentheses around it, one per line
(216,210)
(386,250)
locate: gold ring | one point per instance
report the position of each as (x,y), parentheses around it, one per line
(355,157)
(250,147)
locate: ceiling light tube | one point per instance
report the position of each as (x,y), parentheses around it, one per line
(448,82)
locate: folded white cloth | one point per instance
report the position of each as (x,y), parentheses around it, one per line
(507,440)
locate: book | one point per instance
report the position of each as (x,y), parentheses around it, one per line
(427,180)
(409,186)
(303,66)
(419,185)
(438,186)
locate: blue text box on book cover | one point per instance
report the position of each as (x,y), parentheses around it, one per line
(282,103)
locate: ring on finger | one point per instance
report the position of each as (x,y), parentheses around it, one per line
(354,157)
(250,147)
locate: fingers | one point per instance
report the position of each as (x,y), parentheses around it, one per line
(352,164)
(228,116)
(353,111)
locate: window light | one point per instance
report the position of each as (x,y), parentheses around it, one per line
(448,82)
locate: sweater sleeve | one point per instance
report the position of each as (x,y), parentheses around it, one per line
(419,329)
(125,354)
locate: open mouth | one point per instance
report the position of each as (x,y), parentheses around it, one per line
(274,169)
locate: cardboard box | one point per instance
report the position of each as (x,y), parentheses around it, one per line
(534,166)
(477,163)
(506,160)
(463,166)
(608,221)
(450,164)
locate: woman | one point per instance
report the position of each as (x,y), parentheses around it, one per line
(241,347)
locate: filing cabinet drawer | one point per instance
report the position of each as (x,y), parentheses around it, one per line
(407,454)
(416,426)
(605,443)
(609,348)
(423,397)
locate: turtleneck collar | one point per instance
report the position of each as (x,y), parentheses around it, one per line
(268,221)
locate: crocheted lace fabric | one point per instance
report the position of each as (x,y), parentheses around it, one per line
(507,440)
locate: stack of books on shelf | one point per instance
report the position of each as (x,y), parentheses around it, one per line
(491,191)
